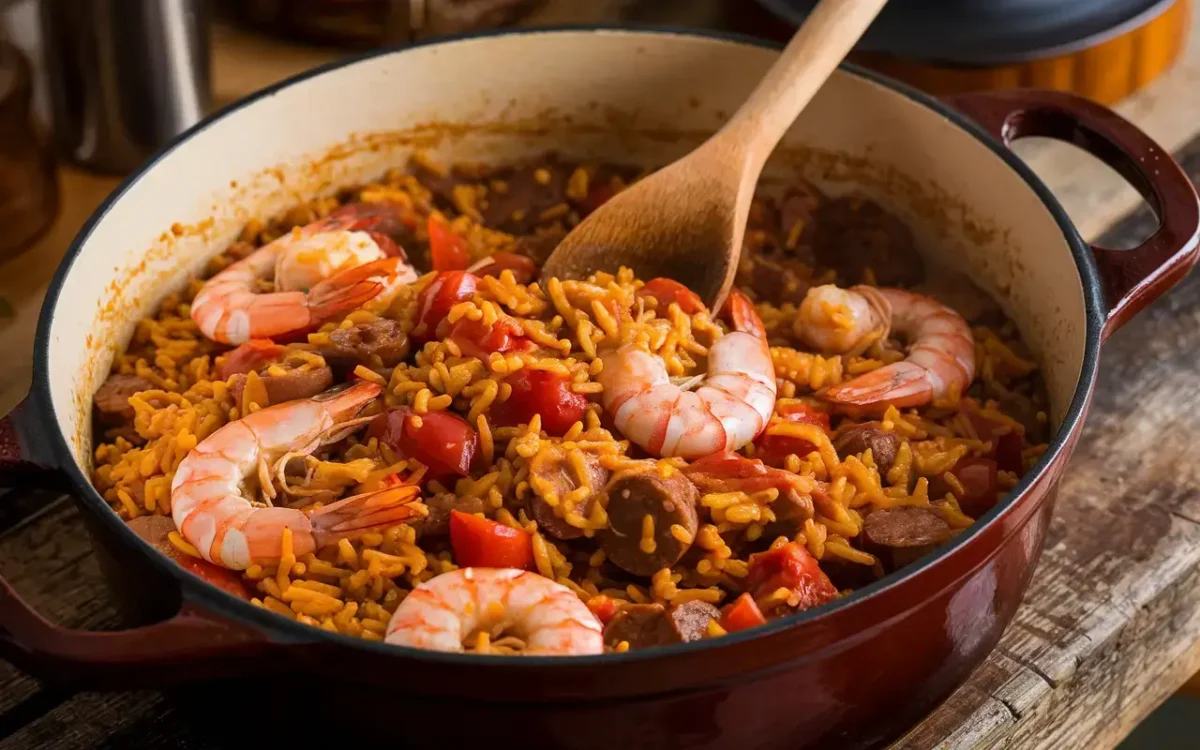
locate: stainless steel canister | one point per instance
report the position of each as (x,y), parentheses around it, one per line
(123,77)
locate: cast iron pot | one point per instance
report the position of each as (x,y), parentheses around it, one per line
(854,673)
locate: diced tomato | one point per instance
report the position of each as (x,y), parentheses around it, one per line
(597,197)
(524,270)
(742,614)
(482,543)
(445,291)
(978,479)
(603,607)
(249,357)
(447,251)
(738,311)
(790,567)
(540,392)
(1007,442)
(667,291)
(477,339)
(442,441)
(774,449)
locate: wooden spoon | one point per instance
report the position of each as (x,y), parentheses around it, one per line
(686,220)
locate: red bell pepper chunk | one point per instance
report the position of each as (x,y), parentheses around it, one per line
(540,392)
(442,441)
(774,449)
(447,251)
(790,567)
(738,311)
(603,607)
(742,614)
(667,291)
(477,339)
(434,302)
(482,543)
(249,357)
(524,270)
(1007,442)
(978,479)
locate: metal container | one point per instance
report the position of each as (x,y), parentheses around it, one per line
(123,77)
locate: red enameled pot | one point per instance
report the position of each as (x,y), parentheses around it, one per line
(855,673)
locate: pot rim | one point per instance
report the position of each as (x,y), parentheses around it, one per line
(282,630)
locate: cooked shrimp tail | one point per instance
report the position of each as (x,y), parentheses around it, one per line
(739,312)
(940,362)
(351,288)
(214,515)
(370,511)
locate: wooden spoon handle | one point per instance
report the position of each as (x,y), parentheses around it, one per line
(819,46)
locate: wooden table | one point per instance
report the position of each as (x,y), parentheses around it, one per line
(1109,628)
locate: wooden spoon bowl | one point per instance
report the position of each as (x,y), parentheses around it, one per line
(686,221)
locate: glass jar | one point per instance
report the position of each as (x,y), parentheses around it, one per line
(28,181)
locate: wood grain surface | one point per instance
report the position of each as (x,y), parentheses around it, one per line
(1109,628)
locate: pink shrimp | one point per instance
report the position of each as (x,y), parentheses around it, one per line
(445,611)
(941,351)
(320,270)
(214,516)
(730,407)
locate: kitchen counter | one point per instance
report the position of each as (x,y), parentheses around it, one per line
(1110,626)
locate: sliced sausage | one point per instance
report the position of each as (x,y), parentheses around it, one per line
(856,440)
(290,386)
(852,234)
(551,472)
(437,523)
(689,621)
(645,625)
(641,625)
(528,191)
(667,501)
(112,398)
(901,535)
(381,342)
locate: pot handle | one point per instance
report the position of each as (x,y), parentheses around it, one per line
(1131,279)
(190,645)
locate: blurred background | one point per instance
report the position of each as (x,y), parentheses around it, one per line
(90,88)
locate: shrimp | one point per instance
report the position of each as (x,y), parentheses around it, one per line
(443,612)
(320,270)
(730,407)
(214,516)
(941,351)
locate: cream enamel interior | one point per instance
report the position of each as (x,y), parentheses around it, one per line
(610,94)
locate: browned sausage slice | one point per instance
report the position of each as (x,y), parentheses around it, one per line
(437,523)
(551,472)
(854,441)
(689,621)
(290,386)
(112,398)
(901,535)
(381,342)
(641,625)
(667,502)
(297,384)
